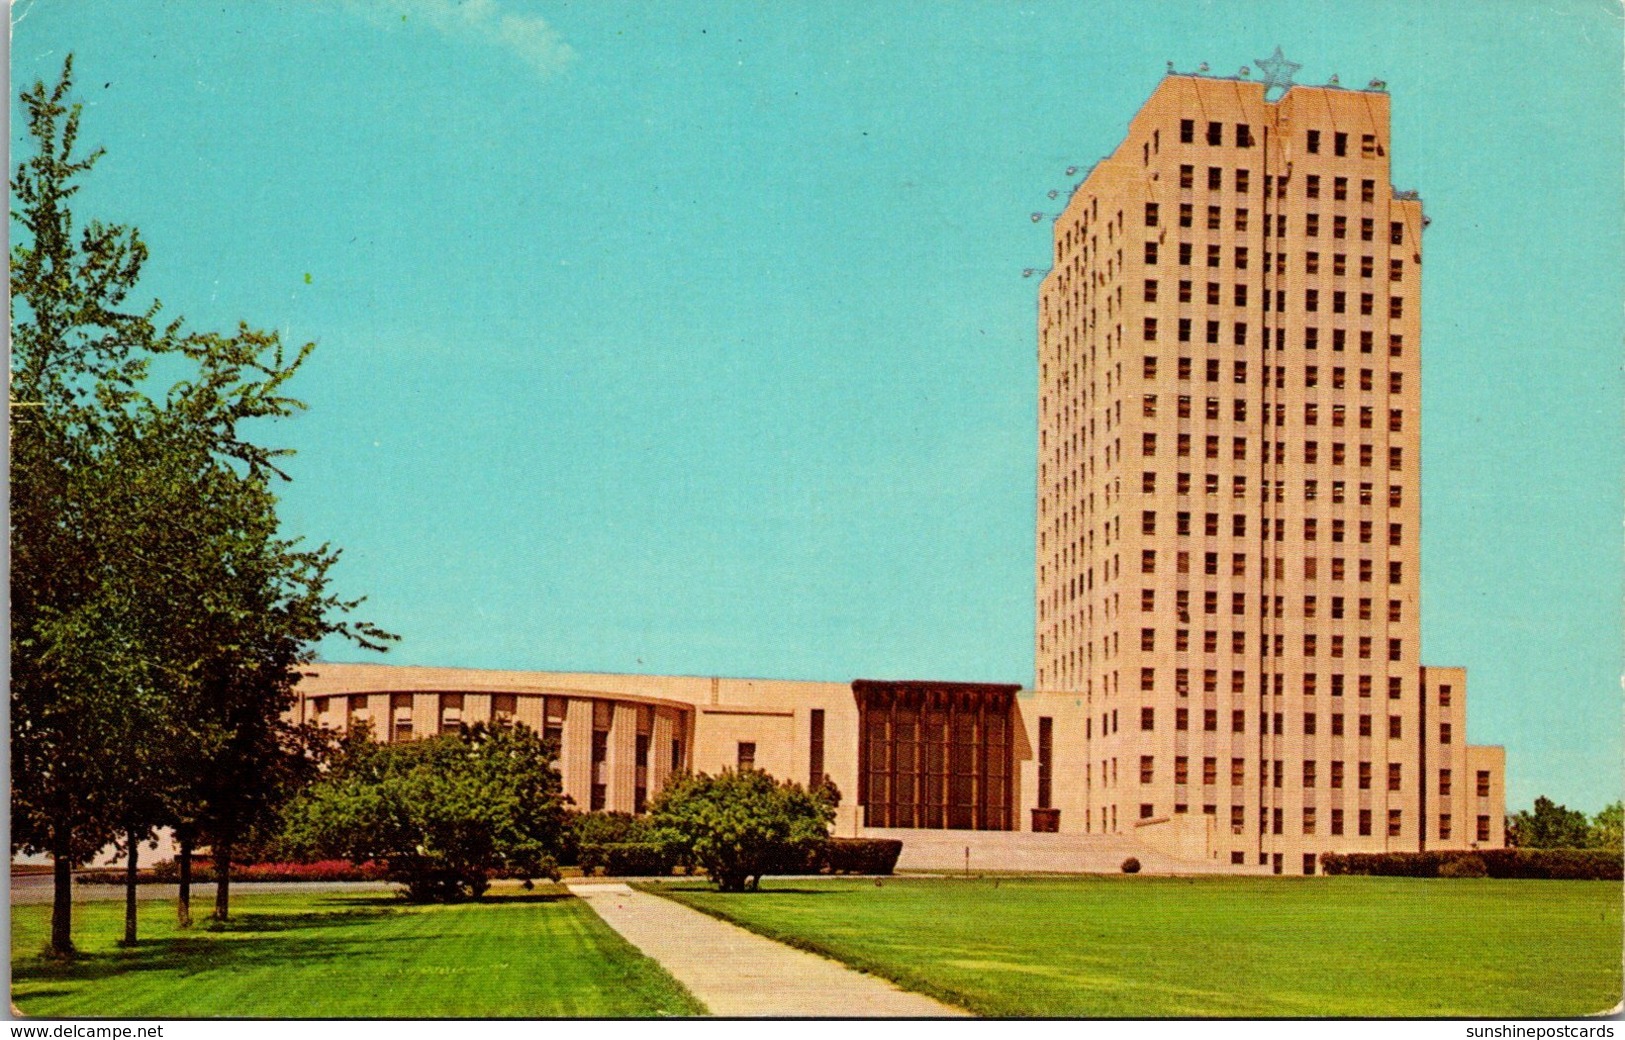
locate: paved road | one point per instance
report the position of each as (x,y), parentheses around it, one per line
(739,974)
(36,888)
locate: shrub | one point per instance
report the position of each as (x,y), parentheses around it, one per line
(446,814)
(631,858)
(1463,867)
(1552,864)
(741,825)
(861,855)
(167,872)
(1131,866)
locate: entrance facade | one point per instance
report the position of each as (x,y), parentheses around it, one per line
(936,755)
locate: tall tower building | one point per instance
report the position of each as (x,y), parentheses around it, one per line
(1229,487)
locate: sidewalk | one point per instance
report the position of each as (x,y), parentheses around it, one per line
(738,974)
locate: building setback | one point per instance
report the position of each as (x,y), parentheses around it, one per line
(1229,488)
(1228,572)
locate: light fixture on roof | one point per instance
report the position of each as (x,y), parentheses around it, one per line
(1245,72)
(1202,67)
(1334,81)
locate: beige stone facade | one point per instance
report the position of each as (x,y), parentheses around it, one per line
(1228,568)
(1228,572)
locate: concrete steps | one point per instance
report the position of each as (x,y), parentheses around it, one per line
(1024,851)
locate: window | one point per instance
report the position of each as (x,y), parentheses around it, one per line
(1396,307)
(1311,299)
(1210,722)
(1444,733)
(1483,785)
(1365,776)
(1368,146)
(1394,727)
(1146,810)
(1368,229)
(1340,228)
(1337,774)
(503,707)
(1148,676)
(1182,770)
(1182,719)
(1394,822)
(1185,214)
(1185,254)
(1241,220)
(1396,233)
(1187,175)
(1148,719)
(1150,214)
(1151,323)
(1213,256)
(747,755)
(1311,183)
(816,743)
(400,716)
(1215,178)
(1238,721)
(1483,833)
(1340,143)
(1147,770)
(1313,142)
(1187,131)
(1215,133)
(1151,252)
(1444,826)
(1311,225)
(1244,139)
(1368,191)
(1394,774)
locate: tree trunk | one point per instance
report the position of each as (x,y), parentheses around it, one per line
(222,881)
(129,886)
(61,896)
(183,900)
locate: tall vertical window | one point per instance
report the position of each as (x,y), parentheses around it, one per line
(815,742)
(747,755)
(451,712)
(1046,760)
(400,716)
(935,755)
(603,714)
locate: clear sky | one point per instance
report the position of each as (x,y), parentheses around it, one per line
(693,338)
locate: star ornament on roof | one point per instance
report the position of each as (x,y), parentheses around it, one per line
(1278,72)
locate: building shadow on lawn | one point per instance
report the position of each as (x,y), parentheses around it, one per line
(193,955)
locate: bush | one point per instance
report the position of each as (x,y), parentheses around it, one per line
(1131,866)
(861,855)
(1550,864)
(597,828)
(446,814)
(630,858)
(167,872)
(742,825)
(1464,867)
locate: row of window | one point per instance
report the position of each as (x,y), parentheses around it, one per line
(1242,179)
(1238,718)
(1243,138)
(1240,220)
(1212,369)
(1238,448)
(1238,645)
(1238,774)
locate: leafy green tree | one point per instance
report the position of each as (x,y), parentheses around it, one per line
(1608,827)
(444,814)
(157,617)
(741,825)
(1548,826)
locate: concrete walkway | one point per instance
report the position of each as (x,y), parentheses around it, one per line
(738,974)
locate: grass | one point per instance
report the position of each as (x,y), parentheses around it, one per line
(1209,947)
(316,955)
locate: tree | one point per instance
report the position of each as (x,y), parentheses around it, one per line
(157,617)
(741,825)
(444,814)
(1548,826)
(1608,827)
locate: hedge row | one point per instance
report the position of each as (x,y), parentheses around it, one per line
(1543,864)
(834,856)
(168,872)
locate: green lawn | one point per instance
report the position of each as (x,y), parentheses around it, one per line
(345,955)
(1247,947)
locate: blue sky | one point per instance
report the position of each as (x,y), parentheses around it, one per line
(692,338)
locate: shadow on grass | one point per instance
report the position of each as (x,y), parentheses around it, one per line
(190,956)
